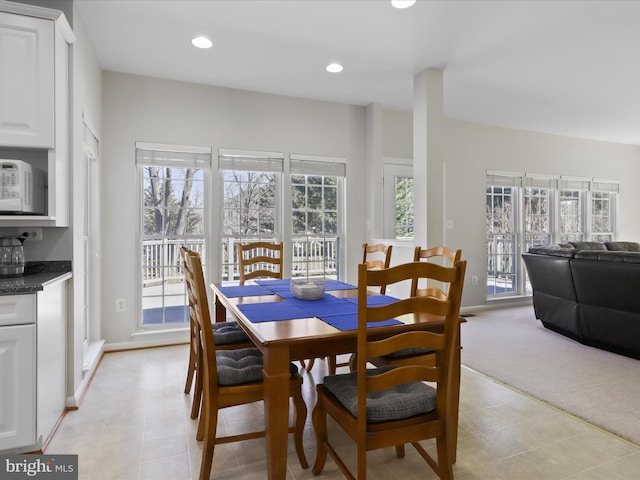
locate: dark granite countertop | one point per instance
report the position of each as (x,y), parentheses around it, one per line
(37,276)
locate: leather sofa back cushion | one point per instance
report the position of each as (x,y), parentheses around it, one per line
(588,245)
(553,250)
(619,257)
(623,246)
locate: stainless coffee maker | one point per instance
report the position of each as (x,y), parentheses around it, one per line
(11,256)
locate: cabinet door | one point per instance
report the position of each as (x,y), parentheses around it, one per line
(17,386)
(26,81)
(52,352)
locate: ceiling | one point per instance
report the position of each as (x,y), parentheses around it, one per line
(563,67)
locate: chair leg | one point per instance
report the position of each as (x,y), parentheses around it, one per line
(209,418)
(190,371)
(445,468)
(362,462)
(300,417)
(400,451)
(200,433)
(331,360)
(319,419)
(197,393)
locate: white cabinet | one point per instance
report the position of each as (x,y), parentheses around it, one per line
(34,102)
(32,366)
(17,371)
(26,81)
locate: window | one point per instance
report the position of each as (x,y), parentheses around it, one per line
(172,199)
(398,201)
(250,186)
(316,206)
(602,216)
(525,210)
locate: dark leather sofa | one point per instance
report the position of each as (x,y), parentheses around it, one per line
(589,291)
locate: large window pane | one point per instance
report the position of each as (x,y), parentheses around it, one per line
(250,214)
(537,219)
(314,202)
(501,248)
(404,207)
(571,216)
(173,215)
(602,218)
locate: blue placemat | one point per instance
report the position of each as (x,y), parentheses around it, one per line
(350,321)
(244,291)
(337,285)
(271,311)
(374,300)
(327,305)
(273,283)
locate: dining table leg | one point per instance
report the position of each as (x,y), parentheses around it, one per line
(276,409)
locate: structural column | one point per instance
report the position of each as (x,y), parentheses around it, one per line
(428,163)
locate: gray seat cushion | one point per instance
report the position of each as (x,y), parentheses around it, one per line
(401,401)
(244,365)
(409,352)
(227,333)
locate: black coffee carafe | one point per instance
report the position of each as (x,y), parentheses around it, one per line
(11,256)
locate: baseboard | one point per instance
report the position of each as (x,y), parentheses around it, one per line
(151,339)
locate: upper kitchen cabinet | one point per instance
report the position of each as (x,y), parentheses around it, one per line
(35,106)
(26,81)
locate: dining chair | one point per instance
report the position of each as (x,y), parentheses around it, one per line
(263,259)
(259,260)
(422,355)
(226,335)
(447,255)
(392,406)
(231,378)
(375,257)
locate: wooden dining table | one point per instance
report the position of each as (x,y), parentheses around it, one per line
(284,340)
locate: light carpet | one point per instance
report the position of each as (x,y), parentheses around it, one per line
(512,347)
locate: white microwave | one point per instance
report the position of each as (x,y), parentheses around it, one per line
(22,188)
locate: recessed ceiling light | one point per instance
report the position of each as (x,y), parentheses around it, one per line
(334,68)
(402,3)
(202,42)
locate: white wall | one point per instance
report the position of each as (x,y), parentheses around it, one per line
(145,109)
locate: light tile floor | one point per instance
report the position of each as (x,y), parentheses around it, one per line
(134,424)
